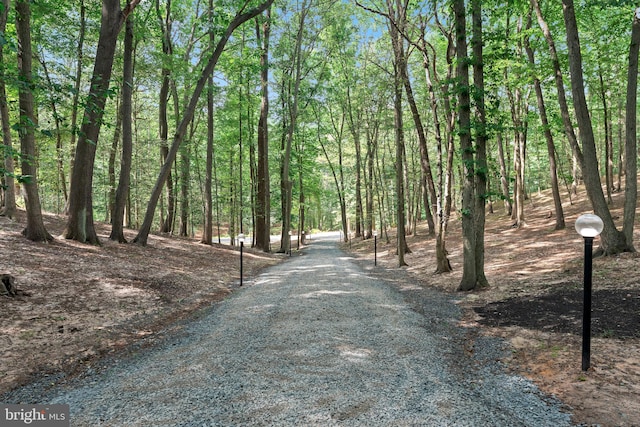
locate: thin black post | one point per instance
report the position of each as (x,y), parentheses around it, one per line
(241,246)
(375,250)
(586,316)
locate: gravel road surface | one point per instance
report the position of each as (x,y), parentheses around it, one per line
(320,340)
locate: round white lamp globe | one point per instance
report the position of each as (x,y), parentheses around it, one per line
(589,225)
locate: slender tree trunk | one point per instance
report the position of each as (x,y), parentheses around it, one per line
(263,197)
(551,149)
(425,163)
(80,223)
(207,231)
(285,180)
(35,229)
(608,140)
(443,265)
(122,192)
(469,273)
(481,168)
(613,241)
(560,89)
(111,168)
(9,209)
(369,186)
(354,126)
(504,176)
(166,225)
(621,145)
(631,150)
(76,92)
(61,182)
(397,14)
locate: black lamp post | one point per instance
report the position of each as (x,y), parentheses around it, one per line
(588,226)
(375,247)
(241,240)
(290,249)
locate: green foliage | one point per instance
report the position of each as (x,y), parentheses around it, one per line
(346,91)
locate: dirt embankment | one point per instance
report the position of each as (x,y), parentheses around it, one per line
(79,302)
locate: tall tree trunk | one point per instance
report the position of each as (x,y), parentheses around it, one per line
(166,225)
(238,20)
(338,175)
(285,180)
(504,176)
(621,146)
(263,197)
(443,265)
(76,92)
(608,139)
(207,232)
(185,177)
(122,192)
(518,117)
(207,229)
(113,153)
(425,163)
(61,186)
(354,126)
(80,223)
(396,40)
(631,149)
(35,229)
(371,147)
(551,149)
(560,91)
(469,273)
(481,168)
(9,209)
(613,241)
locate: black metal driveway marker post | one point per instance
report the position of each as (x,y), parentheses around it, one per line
(241,240)
(589,226)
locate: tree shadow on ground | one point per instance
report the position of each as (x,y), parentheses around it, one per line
(615,312)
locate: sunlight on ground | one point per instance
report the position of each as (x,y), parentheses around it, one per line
(355,355)
(119,290)
(325,292)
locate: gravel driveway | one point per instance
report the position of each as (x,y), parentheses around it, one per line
(319,340)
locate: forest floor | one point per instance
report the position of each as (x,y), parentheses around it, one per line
(535,302)
(83,302)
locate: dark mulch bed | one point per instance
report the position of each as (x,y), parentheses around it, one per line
(615,312)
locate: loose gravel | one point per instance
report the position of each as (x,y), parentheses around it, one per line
(319,340)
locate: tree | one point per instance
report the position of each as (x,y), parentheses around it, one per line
(207,229)
(613,240)
(163,123)
(80,225)
(122,193)
(631,183)
(397,14)
(551,149)
(481,169)
(560,91)
(293,80)
(9,199)
(263,197)
(337,171)
(35,229)
(469,273)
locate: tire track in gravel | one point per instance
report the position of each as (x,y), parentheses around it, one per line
(315,341)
